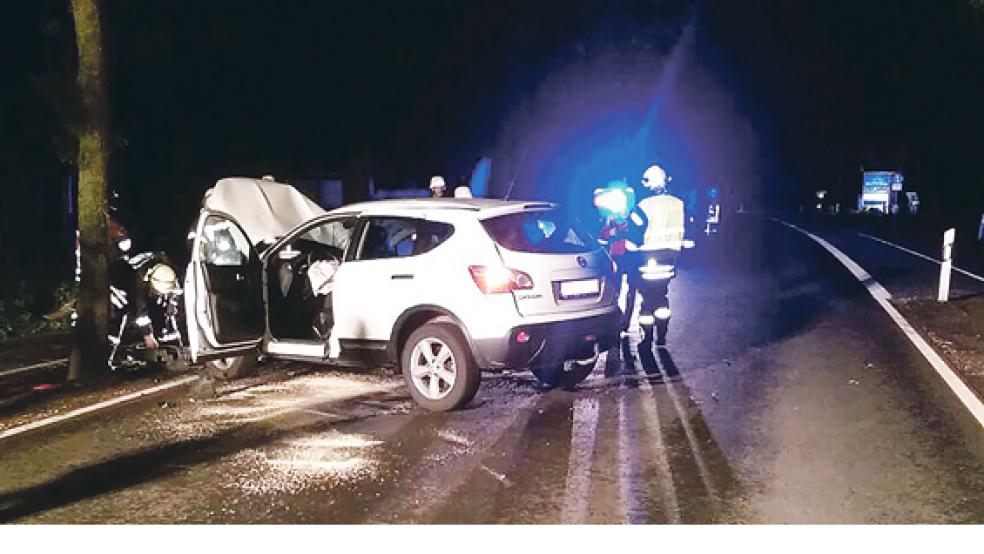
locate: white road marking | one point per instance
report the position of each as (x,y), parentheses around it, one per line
(96,407)
(41,365)
(878,292)
(583,432)
(920,255)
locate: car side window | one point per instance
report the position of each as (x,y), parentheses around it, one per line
(386,237)
(223,243)
(430,234)
(392,237)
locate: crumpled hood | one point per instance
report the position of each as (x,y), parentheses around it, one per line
(266,210)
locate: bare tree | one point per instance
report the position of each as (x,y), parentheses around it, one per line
(90,352)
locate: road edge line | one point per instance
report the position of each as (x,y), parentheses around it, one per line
(881,295)
(920,255)
(95,407)
(26,368)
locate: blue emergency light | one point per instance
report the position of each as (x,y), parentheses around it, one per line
(616,200)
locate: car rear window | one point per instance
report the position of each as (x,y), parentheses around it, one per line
(546,232)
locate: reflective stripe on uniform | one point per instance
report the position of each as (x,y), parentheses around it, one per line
(117,297)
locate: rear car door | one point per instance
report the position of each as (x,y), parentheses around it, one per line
(223,290)
(382,277)
(570,270)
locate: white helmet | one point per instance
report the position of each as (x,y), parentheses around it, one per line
(437,182)
(655,178)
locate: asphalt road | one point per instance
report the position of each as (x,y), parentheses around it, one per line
(785,395)
(903,274)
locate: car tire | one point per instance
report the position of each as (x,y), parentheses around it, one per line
(567,375)
(438,368)
(234,367)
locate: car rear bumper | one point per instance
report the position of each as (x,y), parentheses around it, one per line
(548,344)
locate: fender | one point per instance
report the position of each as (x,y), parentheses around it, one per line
(426,312)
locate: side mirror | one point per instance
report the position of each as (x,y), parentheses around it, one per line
(688,243)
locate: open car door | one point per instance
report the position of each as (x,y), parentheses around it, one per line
(223,290)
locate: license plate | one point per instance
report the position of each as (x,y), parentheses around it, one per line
(580,288)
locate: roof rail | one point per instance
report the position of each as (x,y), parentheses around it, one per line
(441,207)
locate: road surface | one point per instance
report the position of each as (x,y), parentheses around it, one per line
(785,395)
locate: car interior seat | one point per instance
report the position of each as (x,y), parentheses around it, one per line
(376,244)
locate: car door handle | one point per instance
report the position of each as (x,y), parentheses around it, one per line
(240,277)
(402,276)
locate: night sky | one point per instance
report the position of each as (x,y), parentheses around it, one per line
(772,99)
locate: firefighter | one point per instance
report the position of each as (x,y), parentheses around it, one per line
(437,186)
(662,217)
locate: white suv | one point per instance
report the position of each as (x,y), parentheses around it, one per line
(441,288)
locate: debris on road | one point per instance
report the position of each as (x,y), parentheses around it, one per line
(322,460)
(455,437)
(498,476)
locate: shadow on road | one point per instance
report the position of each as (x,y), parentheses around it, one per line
(148,464)
(707,487)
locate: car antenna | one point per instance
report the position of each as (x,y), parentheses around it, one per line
(512,183)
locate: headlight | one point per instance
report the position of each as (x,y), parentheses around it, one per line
(162,279)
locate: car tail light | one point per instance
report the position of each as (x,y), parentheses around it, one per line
(496,279)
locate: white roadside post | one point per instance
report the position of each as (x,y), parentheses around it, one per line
(948,239)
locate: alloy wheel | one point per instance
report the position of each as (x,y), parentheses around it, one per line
(433,368)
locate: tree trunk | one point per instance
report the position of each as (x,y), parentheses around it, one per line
(91,346)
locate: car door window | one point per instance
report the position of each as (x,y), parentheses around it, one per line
(224,244)
(388,237)
(401,237)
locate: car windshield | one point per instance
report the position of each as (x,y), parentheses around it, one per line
(550,231)
(335,234)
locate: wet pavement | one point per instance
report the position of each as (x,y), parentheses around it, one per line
(785,395)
